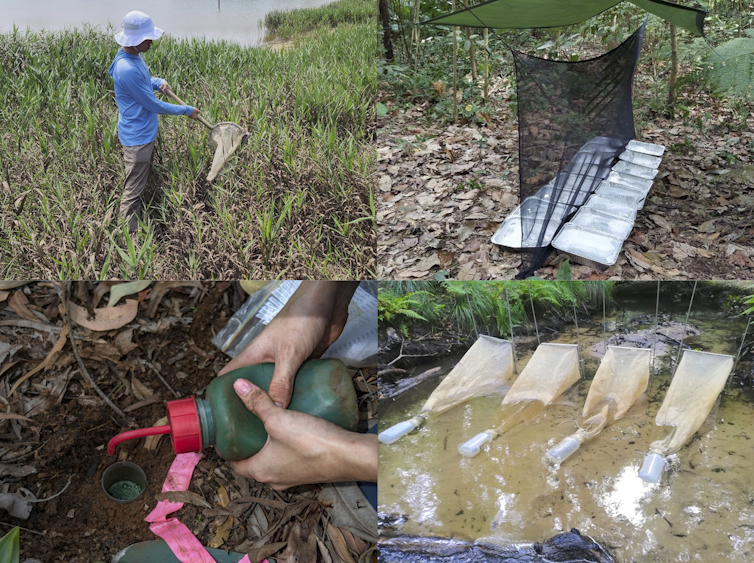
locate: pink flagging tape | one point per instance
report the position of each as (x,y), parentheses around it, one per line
(179,538)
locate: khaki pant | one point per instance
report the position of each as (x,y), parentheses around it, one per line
(138,163)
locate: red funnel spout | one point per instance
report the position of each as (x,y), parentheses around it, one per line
(138,433)
(183,426)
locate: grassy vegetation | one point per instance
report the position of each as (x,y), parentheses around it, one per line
(483,304)
(298,202)
(293,23)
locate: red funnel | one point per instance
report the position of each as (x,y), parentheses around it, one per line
(183,426)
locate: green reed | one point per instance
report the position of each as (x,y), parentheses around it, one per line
(285,24)
(308,109)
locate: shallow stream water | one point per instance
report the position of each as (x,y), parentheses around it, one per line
(702,510)
(235,20)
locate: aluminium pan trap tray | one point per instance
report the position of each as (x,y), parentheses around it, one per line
(597,246)
(641,159)
(646,148)
(635,170)
(597,220)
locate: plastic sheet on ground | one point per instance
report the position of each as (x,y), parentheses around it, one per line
(549,373)
(699,379)
(486,368)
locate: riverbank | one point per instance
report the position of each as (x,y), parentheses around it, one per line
(297,202)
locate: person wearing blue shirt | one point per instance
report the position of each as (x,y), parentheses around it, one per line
(138,108)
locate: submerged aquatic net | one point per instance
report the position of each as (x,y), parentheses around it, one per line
(550,372)
(699,379)
(620,380)
(224,139)
(486,368)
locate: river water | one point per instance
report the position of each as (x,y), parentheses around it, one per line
(509,493)
(236,20)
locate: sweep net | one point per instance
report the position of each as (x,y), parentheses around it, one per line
(486,368)
(224,139)
(697,382)
(574,119)
(551,370)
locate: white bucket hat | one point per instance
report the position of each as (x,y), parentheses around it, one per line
(137,27)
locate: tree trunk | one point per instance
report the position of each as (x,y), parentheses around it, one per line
(673,66)
(487,66)
(386,41)
(455,69)
(471,46)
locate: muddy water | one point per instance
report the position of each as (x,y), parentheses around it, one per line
(236,20)
(702,511)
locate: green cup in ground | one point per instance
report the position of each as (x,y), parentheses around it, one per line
(124,482)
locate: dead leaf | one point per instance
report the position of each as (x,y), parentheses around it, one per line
(18,302)
(161,288)
(302,545)
(661,222)
(323,551)
(738,258)
(707,226)
(222,533)
(16,470)
(4,295)
(266,551)
(339,543)
(439,87)
(222,493)
(152,399)
(638,259)
(357,545)
(100,291)
(152,442)
(123,289)
(186,497)
(140,390)
(677,192)
(55,349)
(14,416)
(124,341)
(108,318)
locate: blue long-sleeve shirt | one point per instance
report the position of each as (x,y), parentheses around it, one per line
(137,105)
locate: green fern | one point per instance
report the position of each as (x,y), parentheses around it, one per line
(731,67)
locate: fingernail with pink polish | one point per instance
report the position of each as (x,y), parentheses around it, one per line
(242,386)
(279,404)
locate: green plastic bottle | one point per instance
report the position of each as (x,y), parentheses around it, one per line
(322,388)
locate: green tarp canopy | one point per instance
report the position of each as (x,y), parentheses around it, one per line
(528,14)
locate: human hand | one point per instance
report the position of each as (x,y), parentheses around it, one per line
(305,327)
(165,88)
(302,449)
(194,115)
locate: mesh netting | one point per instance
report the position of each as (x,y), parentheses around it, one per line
(224,139)
(697,382)
(574,119)
(551,370)
(622,377)
(620,380)
(487,367)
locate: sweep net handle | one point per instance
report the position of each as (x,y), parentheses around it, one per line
(206,123)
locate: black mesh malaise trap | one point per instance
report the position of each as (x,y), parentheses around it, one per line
(574,119)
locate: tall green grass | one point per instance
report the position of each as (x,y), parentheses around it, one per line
(285,24)
(297,202)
